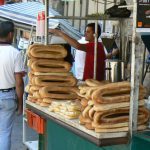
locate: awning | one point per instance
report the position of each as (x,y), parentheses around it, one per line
(25,14)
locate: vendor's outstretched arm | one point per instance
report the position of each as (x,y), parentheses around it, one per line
(74,43)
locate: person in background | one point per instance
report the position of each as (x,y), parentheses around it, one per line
(89,49)
(11,83)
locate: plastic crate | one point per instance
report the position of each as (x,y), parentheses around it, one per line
(35,122)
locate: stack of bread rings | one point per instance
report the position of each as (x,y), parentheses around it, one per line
(49,76)
(105,106)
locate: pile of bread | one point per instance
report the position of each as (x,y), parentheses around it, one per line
(67,109)
(49,76)
(105,106)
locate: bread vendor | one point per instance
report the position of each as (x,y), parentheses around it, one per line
(89,49)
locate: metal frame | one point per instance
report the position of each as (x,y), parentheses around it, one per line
(31,145)
(134,70)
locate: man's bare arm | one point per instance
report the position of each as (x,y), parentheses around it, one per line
(74,43)
(19,91)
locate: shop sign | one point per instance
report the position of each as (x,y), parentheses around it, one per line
(40,24)
(143,13)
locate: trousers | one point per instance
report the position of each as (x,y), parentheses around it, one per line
(8,107)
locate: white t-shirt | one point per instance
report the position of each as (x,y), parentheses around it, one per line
(80,60)
(11,62)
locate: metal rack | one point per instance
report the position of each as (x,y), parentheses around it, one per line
(134,68)
(31,145)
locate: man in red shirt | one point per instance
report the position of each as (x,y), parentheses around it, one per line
(89,49)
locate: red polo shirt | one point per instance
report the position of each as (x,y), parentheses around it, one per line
(89,62)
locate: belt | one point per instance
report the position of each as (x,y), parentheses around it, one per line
(7,90)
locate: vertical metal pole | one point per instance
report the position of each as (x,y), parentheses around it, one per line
(46,21)
(104,22)
(95,44)
(143,65)
(80,15)
(74,4)
(25,57)
(67,8)
(134,78)
(87,9)
(122,39)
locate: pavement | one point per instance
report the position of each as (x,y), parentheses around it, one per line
(17,135)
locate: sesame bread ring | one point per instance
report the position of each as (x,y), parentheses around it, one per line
(47,100)
(53,80)
(89,126)
(121,129)
(57,74)
(83,120)
(36,95)
(115,93)
(85,112)
(106,107)
(92,82)
(51,66)
(112,93)
(91,113)
(119,116)
(84,102)
(47,51)
(34,88)
(31,98)
(59,93)
(43,104)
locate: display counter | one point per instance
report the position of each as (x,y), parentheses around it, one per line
(58,128)
(61,133)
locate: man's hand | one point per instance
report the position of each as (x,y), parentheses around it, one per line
(19,91)
(20,110)
(55,32)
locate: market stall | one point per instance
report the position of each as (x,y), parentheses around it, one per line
(69,133)
(61,129)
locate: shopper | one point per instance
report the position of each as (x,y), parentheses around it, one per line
(89,49)
(11,83)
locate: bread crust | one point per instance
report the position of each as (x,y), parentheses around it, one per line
(47,51)
(60,93)
(50,66)
(53,80)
